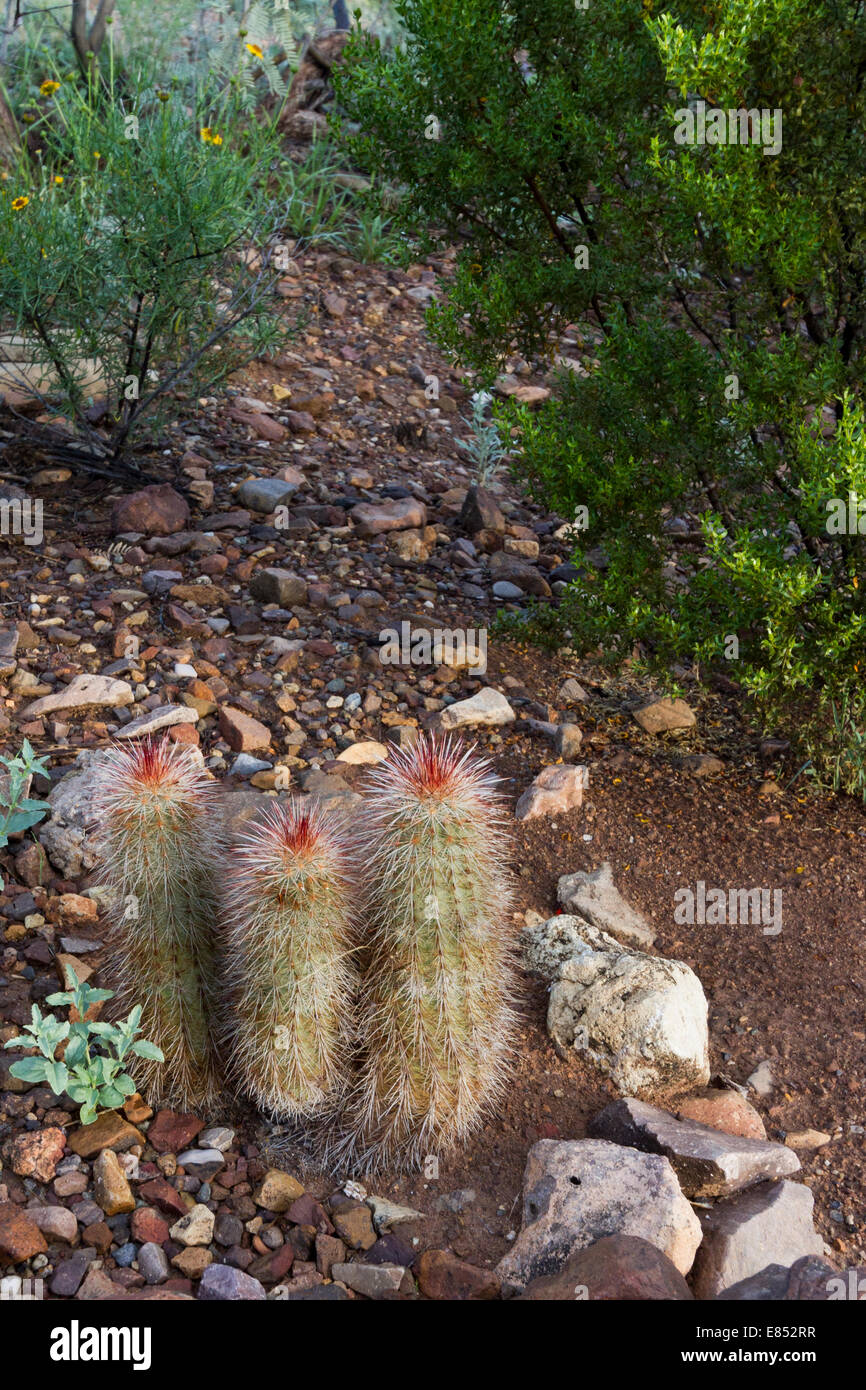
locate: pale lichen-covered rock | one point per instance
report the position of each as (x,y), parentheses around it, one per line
(641,1019)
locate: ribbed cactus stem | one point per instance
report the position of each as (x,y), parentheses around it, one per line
(435,1016)
(163,851)
(288,961)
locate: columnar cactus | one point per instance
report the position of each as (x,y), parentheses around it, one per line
(163,850)
(288,962)
(435,1017)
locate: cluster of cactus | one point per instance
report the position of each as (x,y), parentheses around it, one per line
(375,1001)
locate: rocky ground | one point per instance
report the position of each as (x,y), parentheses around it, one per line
(237,605)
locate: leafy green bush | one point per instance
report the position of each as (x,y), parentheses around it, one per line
(714,292)
(134,249)
(91,1071)
(18,811)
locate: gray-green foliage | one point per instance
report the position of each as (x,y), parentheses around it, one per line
(92,1071)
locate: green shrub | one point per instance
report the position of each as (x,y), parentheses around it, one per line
(715,293)
(125,249)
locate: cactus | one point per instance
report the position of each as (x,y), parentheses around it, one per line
(288,962)
(435,1012)
(163,850)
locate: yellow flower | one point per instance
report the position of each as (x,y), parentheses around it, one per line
(19,203)
(58,179)
(206,134)
(49,87)
(254,49)
(217,140)
(97,154)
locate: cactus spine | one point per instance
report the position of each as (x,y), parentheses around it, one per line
(435,1016)
(162,855)
(288,962)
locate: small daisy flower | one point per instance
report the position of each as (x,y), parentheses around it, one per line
(49,87)
(19,203)
(254,49)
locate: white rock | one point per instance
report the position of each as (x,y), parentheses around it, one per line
(161,718)
(196,1228)
(488,708)
(577,1192)
(367,751)
(84,692)
(555,790)
(769,1224)
(642,1020)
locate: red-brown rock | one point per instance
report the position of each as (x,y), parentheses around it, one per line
(156,511)
(442,1275)
(171,1133)
(37,1155)
(20,1237)
(616,1268)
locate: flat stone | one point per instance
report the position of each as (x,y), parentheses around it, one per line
(442,1275)
(575,1192)
(164,717)
(488,708)
(108,1131)
(807,1139)
(594,897)
(768,1224)
(706,1162)
(616,1268)
(555,791)
(663,716)
(567,741)
(68,1274)
(387,1214)
(172,1131)
(84,692)
(224,1282)
(373,1281)
(402,514)
(364,752)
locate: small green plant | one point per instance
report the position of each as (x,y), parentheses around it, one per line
(92,1069)
(485,447)
(18,811)
(372,239)
(313,206)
